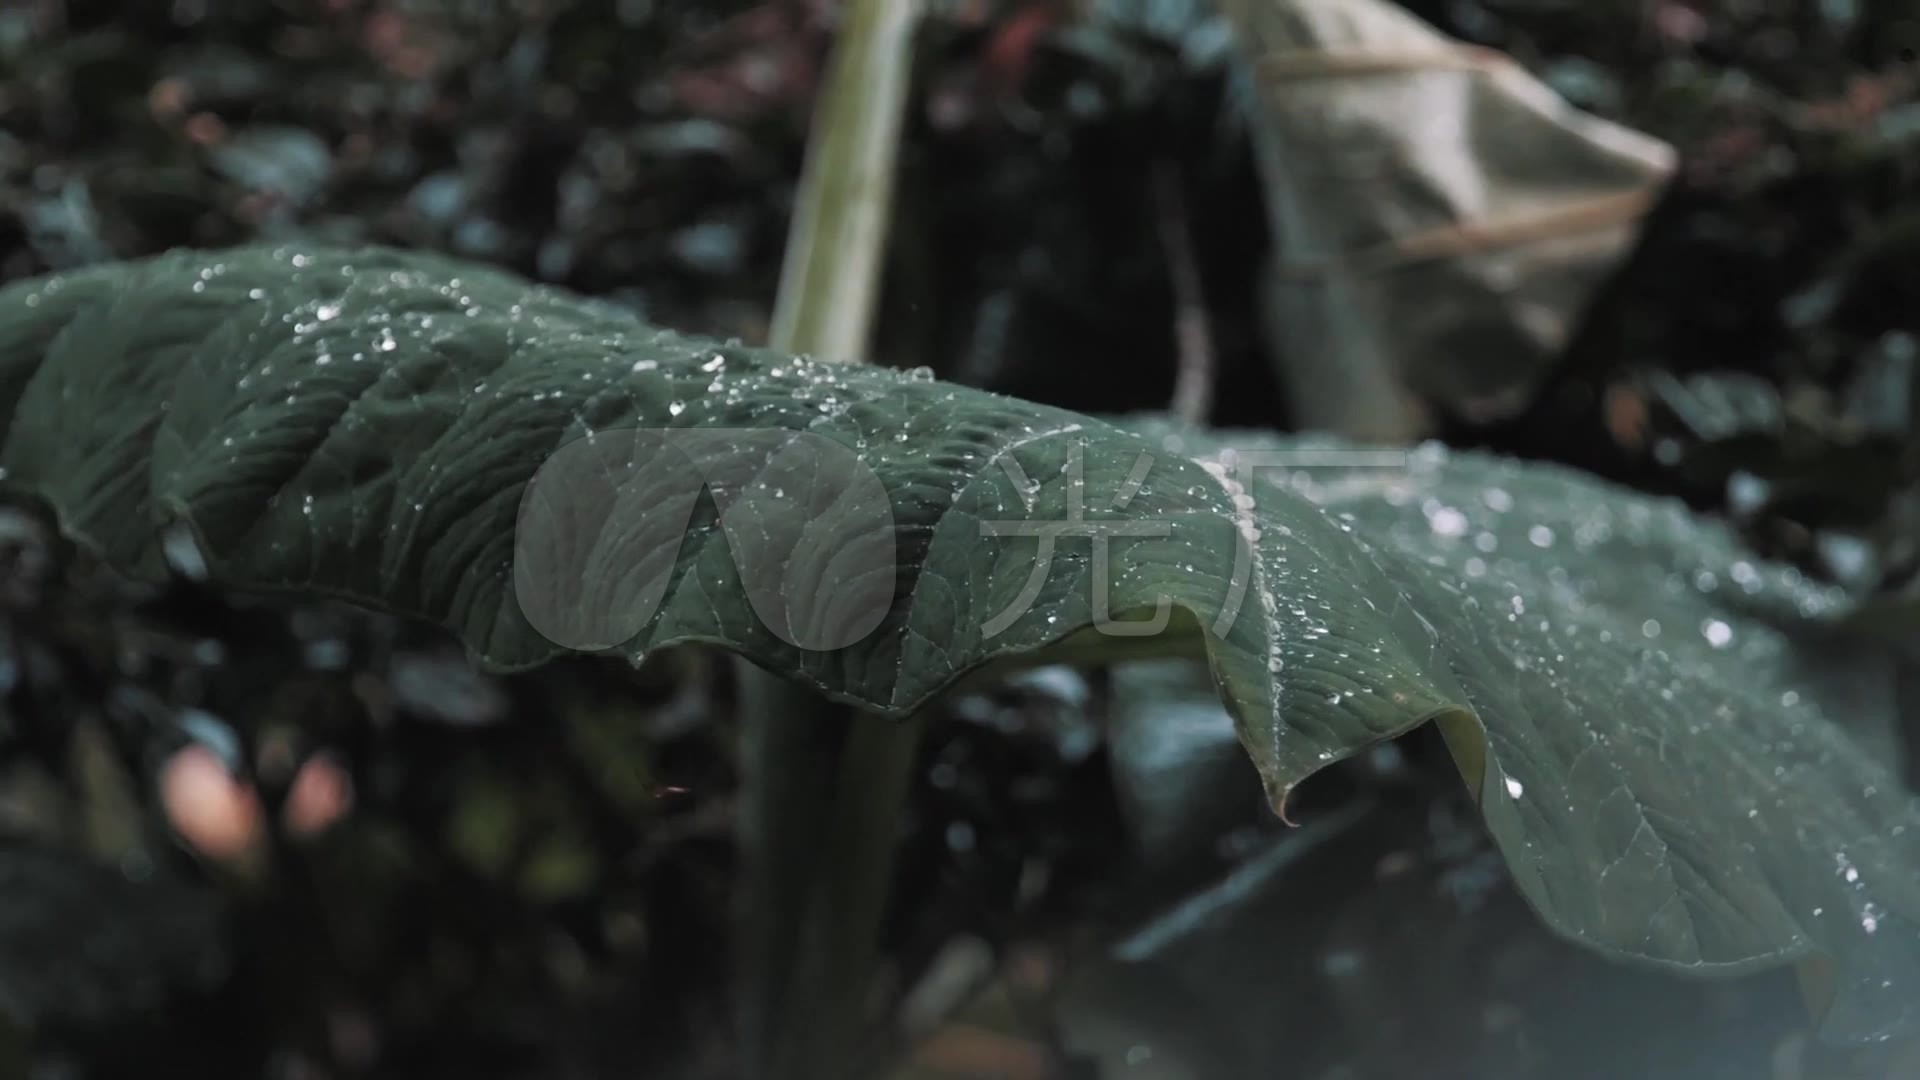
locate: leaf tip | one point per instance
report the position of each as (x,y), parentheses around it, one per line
(1278,800)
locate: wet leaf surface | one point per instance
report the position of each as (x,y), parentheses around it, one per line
(1658,759)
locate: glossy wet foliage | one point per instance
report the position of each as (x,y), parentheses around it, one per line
(1651,720)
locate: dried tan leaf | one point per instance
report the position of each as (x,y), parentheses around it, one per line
(1442,217)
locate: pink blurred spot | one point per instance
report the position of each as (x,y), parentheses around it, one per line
(1679,23)
(213,812)
(322,793)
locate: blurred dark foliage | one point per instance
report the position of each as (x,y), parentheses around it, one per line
(1783,254)
(534,877)
(637,149)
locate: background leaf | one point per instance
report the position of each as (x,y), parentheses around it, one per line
(1401,167)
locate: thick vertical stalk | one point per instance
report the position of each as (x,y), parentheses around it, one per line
(830,280)
(824,785)
(792,741)
(838,947)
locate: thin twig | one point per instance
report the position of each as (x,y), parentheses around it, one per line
(1461,238)
(1289,64)
(1193,338)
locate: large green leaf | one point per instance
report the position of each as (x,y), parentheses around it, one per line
(1661,763)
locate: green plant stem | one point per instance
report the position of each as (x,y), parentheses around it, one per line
(830,277)
(824,786)
(790,755)
(839,947)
